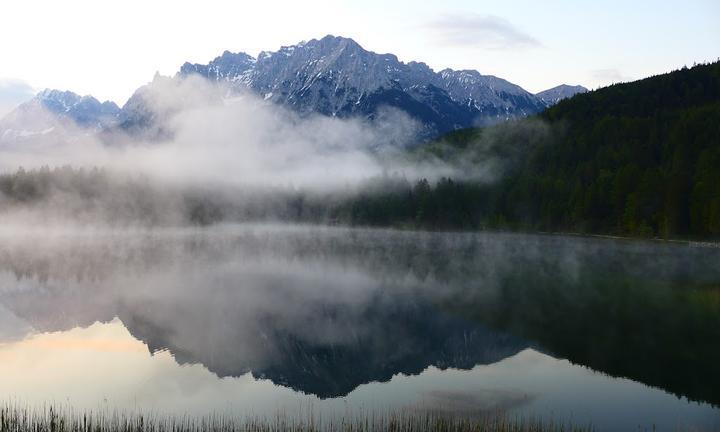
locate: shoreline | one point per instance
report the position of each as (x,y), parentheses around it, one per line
(68,228)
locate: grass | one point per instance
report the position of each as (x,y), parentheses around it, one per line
(13,419)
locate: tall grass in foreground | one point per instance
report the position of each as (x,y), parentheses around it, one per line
(53,420)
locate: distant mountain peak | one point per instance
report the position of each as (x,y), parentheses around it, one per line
(64,101)
(58,101)
(56,94)
(336,40)
(563,91)
(85,111)
(55,116)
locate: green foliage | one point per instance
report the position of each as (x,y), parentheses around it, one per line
(639,159)
(642,159)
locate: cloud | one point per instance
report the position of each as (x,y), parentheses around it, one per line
(609,76)
(244,140)
(480,31)
(13,92)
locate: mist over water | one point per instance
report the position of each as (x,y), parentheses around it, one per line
(324,313)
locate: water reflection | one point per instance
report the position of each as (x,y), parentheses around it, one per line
(103,367)
(327,311)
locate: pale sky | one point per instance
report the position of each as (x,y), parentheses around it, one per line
(109,48)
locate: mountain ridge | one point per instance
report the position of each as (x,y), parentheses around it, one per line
(336,76)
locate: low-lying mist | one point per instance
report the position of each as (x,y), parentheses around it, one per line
(204,153)
(196,131)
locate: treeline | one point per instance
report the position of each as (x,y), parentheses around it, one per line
(84,195)
(639,159)
(97,196)
(445,204)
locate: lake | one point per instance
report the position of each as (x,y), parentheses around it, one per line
(266,319)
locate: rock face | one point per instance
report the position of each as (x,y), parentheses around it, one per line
(86,111)
(556,94)
(335,76)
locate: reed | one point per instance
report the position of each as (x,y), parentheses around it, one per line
(52,419)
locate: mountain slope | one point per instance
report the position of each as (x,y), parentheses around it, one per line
(635,158)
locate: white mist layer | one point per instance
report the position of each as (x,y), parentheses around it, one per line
(241,140)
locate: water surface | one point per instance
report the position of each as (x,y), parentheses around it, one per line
(266,319)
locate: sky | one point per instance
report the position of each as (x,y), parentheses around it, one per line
(109,48)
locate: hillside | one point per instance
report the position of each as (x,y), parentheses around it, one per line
(638,159)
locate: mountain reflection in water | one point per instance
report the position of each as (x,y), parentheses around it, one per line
(325,311)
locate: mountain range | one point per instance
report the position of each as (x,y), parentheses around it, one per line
(332,76)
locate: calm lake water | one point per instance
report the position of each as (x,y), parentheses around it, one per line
(261,320)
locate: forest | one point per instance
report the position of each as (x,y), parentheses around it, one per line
(637,159)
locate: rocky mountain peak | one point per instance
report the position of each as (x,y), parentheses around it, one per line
(556,94)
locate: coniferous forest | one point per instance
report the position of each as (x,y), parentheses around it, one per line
(637,159)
